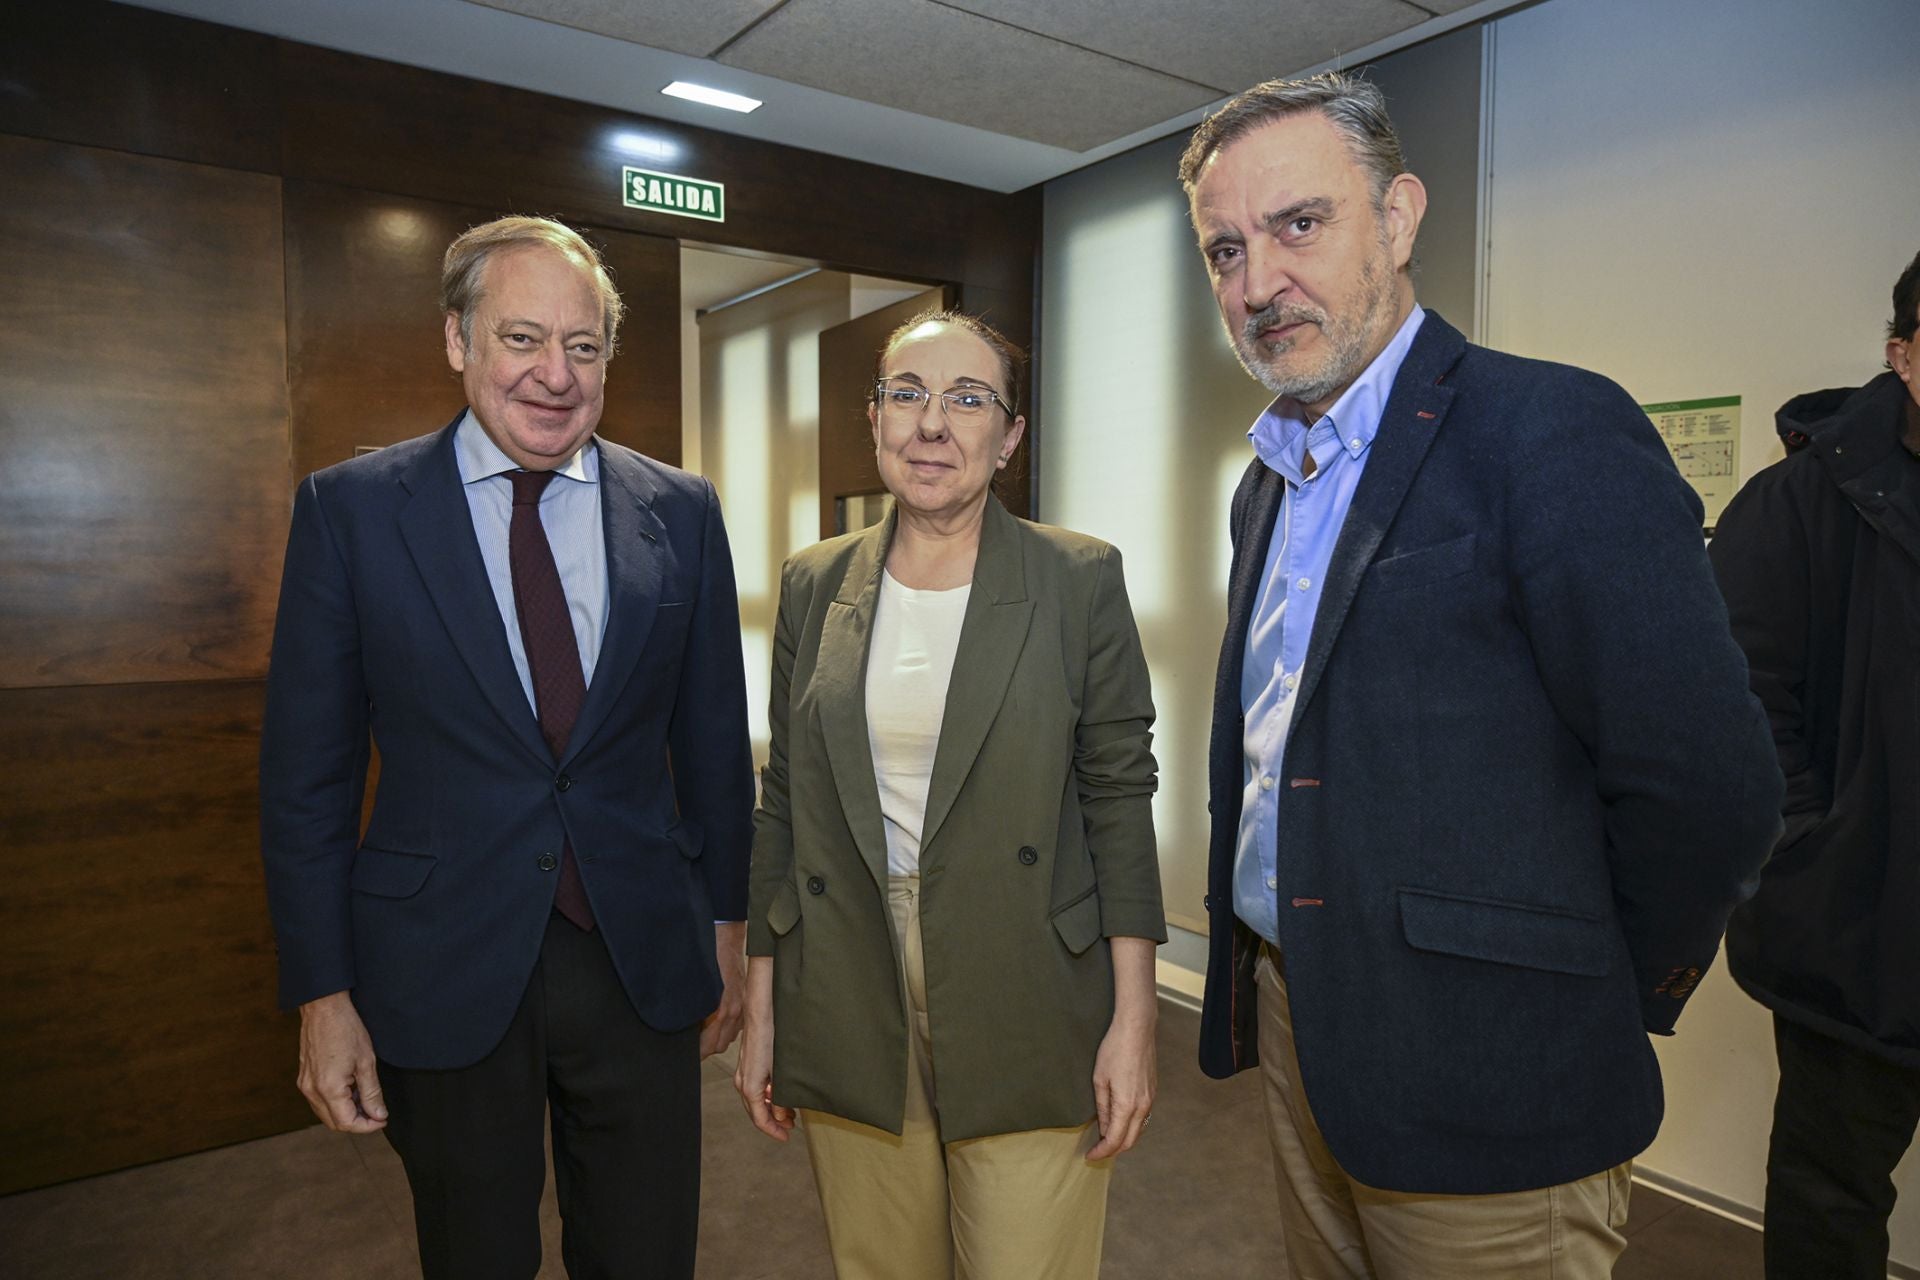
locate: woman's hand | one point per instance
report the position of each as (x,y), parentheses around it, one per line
(1124,1075)
(753,1076)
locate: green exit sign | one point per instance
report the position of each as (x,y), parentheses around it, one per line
(671,193)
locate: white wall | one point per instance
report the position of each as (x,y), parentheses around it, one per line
(1700,199)
(1696,197)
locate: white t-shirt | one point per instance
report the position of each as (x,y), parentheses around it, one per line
(915,635)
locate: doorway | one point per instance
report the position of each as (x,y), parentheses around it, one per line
(751,412)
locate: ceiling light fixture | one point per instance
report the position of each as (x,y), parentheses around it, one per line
(710,97)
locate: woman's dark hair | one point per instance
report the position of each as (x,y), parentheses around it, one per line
(1011,358)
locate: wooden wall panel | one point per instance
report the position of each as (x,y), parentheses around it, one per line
(482,144)
(152,420)
(139,1017)
(143,426)
(109,75)
(367,365)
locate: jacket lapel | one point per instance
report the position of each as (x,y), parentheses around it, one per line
(1252,538)
(635,550)
(437,527)
(840,676)
(995,629)
(1414,414)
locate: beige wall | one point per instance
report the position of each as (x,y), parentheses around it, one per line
(758,439)
(1147,411)
(1700,199)
(1695,197)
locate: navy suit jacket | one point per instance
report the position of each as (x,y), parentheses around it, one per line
(1525,783)
(388,629)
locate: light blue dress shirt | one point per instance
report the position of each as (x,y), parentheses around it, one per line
(569,512)
(1312,511)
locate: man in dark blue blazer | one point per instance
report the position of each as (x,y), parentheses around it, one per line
(538,631)
(1486,779)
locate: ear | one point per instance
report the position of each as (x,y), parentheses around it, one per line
(456,345)
(873,423)
(1405,206)
(1010,443)
(1900,360)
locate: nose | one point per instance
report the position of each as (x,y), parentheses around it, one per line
(552,368)
(1265,277)
(933,420)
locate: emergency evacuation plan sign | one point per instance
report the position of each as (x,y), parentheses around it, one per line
(671,193)
(1704,438)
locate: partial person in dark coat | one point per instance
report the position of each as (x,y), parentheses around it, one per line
(1486,775)
(1819,559)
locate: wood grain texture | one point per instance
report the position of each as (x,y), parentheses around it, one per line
(138,963)
(367,365)
(143,471)
(473,143)
(110,75)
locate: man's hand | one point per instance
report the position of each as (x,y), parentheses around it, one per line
(753,1076)
(723,1024)
(337,1072)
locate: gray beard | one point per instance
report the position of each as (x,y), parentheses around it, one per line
(1347,342)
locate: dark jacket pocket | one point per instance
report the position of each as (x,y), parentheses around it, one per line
(1078,923)
(1422,565)
(784,911)
(388,873)
(1506,933)
(688,836)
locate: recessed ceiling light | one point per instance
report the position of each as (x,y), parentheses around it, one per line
(710,97)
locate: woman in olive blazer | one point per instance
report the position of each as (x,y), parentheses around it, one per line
(1037,866)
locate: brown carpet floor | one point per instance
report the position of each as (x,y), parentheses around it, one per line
(1193,1200)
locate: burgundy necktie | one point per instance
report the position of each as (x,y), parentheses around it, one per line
(553,655)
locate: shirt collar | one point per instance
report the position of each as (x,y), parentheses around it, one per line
(481,459)
(1281,436)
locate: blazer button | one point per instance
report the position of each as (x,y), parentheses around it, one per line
(562,783)
(1028,854)
(1206,903)
(815,885)
(547,862)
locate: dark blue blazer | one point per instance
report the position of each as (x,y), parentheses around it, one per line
(388,627)
(1525,783)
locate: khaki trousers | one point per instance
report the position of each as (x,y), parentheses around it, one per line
(1337,1228)
(1014,1206)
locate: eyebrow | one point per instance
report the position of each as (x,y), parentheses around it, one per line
(962,381)
(511,322)
(1318,206)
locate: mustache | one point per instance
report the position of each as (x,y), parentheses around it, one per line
(1274,315)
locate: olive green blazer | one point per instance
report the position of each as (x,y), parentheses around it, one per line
(1038,839)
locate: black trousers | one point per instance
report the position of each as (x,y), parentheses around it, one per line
(1841,1122)
(625,1105)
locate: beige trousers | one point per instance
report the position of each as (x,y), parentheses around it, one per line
(1014,1206)
(1337,1228)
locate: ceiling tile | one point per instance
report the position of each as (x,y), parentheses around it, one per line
(696,27)
(1229,44)
(939,61)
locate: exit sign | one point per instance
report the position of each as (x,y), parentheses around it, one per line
(671,193)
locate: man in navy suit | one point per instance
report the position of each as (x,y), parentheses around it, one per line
(538,630)
(1486,778)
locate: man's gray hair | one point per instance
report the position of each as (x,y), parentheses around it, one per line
(465,266)
(1354,106)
